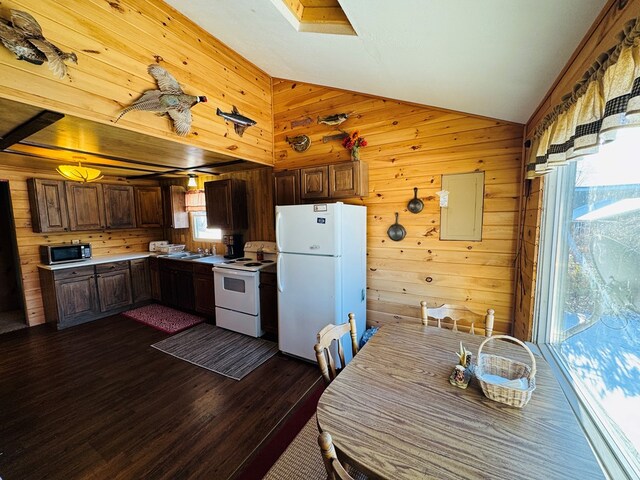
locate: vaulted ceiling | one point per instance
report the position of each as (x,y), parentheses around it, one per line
(495,58)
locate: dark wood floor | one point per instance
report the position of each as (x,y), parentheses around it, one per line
(97,402)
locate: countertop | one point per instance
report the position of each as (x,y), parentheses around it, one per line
(211,259)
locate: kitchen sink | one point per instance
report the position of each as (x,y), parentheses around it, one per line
(192,256)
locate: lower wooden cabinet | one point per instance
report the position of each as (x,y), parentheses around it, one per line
(269,302)
(80,294)
(114,285)
(203,289)
(141,284)
(69,296)
(176,284)
(154,273)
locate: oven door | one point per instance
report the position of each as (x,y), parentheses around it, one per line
(237,290)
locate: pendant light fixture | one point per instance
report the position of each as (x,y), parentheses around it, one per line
(192,180)
(78,173)
(194,199)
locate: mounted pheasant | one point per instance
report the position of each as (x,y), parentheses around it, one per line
(23,36)
(168,100)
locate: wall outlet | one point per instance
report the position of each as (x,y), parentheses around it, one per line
(75,242)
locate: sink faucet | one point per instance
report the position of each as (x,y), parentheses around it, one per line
(200,250)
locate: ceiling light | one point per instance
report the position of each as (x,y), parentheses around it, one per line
(192,180)
(78,173)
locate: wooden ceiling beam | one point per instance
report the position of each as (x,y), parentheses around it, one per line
(28,128)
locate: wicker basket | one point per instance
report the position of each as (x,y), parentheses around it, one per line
(506,368)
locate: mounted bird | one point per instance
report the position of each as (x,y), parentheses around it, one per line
(23,36)
(168,100)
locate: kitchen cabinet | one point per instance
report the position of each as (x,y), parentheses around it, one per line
(176,284)
(269,303)
(349,179)
(203,289)
(79,294)
(119,206)
(148,202)
(141,285)
(86,206)
(114,285)
(154,273)
(48,204)
(286,187)
(70,296)
(323,182)
(314,182)
(176,215)
(226,204)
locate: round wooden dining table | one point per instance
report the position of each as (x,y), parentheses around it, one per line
(393,414)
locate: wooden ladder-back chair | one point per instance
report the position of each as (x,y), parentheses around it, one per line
(326,336)
(454,313)
(335,470)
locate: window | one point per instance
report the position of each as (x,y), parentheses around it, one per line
(588,305)
(199,228)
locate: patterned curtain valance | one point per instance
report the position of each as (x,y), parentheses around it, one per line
(606,98)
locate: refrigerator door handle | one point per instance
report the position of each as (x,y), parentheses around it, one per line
(278,217)
(279,275)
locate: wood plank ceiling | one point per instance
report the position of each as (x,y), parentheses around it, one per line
(115,151)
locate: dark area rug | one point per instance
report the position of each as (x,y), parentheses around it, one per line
(228,353)
(163,318)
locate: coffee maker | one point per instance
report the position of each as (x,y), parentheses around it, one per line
(235,247)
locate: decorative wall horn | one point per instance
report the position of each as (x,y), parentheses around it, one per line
(299,143)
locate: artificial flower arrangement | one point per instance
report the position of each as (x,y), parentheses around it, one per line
(353,142)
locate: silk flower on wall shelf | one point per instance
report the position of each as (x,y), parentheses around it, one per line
(353,142)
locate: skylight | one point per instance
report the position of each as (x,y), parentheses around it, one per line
(319,16)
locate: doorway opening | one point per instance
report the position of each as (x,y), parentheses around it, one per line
(12,316)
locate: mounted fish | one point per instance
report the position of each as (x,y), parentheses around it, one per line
(23,36)
(169,100)
(240,122)
(336,119)
(300,143)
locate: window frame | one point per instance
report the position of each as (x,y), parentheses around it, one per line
(194,230)
(557,194)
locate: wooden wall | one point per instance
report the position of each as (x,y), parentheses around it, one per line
(260,209)
(412,146)
(115,41)
(104,242)
(601,37)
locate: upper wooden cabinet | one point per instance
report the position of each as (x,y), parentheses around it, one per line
(286,187)
(148,206)
(176,215)
(314,182)
(341,180)
(48,204)
(226,204)
(60,206)
(348,180)
(86,206)
(119,206)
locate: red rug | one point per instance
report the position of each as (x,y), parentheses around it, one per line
(163,318)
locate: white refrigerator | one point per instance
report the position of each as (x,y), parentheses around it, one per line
(321,273)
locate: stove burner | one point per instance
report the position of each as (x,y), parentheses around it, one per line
(267,261)
(252,264)
(230,261)
(243,259)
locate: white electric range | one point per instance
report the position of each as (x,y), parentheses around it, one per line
(237,288)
